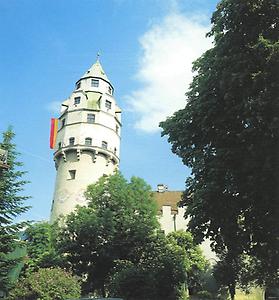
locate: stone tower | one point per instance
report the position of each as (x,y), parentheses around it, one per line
(88,140)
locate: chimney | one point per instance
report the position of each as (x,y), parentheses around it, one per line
(161,188)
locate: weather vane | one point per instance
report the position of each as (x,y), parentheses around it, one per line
(98,55)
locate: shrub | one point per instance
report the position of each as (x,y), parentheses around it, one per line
(46,284)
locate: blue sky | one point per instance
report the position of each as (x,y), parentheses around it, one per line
(146,47)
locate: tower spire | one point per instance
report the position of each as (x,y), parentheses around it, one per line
(96,70)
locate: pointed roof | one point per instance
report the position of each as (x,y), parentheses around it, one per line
(96,70)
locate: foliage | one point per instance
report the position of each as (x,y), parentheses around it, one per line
(11,206)
(228,134)
(196,264)
(40,247)
(46,284)
(211,285)
(116,225)
(159,274)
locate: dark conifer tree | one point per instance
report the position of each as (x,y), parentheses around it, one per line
(11,206)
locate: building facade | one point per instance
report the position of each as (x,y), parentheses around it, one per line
(171,216)
(88,140)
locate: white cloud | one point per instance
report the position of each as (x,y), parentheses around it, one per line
(54,107)
(165,68)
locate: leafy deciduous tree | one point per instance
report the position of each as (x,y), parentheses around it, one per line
(160,273)
(196,263)
(41,252)
(116,225)
(228,134)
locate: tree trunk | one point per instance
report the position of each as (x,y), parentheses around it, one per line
(103,291)
(232,290)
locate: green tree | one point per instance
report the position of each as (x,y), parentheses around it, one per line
(118,222)
(160,273)
(228,134)
(11,206)
(41,252)
(196,263)
(46,284)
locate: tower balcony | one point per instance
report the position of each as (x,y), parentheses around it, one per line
(79,149)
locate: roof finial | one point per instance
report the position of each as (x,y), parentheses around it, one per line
(98,56)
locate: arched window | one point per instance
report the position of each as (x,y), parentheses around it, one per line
(88,141)
(71,141)
(104,145)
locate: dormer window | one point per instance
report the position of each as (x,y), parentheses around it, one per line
(78,85)
(108,104)
(77,100)
(71,141)
(104,145)
(88,141)
(94,82)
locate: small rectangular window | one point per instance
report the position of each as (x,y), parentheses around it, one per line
(71,141)
(63,122)
(90,118)
(94,82)
(110,89)
(104,145)
(59,145)
(72,174)
(78,85)
(88,141)
(108,104)
(77,100)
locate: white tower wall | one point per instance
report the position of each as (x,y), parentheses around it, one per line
(88,140)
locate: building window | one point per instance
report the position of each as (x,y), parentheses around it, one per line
(88,141)
(59,145)
(115,150)
(77,100)
(108,104)
(72,174)
(71,141)
(63,122)
(94,82)
(104,145)
(90,118)
(78,85)
(110,89)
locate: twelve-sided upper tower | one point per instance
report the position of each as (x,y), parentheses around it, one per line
(88,140)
